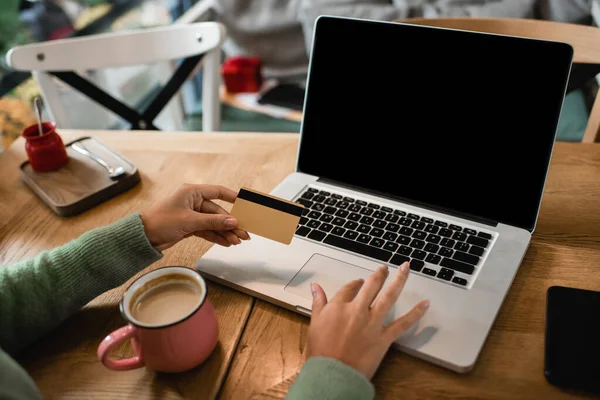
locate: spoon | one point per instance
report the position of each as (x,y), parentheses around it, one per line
(37,103)
(113,172)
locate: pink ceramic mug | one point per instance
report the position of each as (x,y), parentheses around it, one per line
(172,346)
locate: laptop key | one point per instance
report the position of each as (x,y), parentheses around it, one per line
(302,231)
(367,211)
(445,232)
(377,242)
(324,193)
(326,218)
(459,236)
(464,257)
(351,225)
(455,227)
(413,216)
(405,250)
(307,195)
(484,235)
(419,235)
(418,225)
(360,248)
(391,246)
(441,223)
(336,196)
(316,235)
(391,218)
(331,201)
(343,205)
(392,227)
(433,258)
(445,252)
(338,221)
(351,235)
(361,202)
(427,220)
(330,210)
(319,198)
(418,254)
(349,199)
(313,190)
(318,207)
(326,227)
(445,274)
(338,231)
(432,229)
(305,211)
(416,265)
(386,209)
(400,213)
(460,281)
(447,242)
(303,220)
(379,215)
(342,213)
(478,241)
(405,221)
(377,232)
(476,250)
(375,206)
(379,223)
(313,224)
(432,248)
(390,236)
(403,240)
(457,265)
(406,231)
(462,246)
(399,259)
(367,220)
(469,231)
(364,228)
(354,217)
(364,238)
(354,208)
(429,271)
(431,238)
(417,244)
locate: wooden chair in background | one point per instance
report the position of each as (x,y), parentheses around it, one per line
(585,41)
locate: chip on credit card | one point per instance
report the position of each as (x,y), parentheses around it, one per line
(266,215)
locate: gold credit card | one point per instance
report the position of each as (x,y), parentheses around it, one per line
(266,215)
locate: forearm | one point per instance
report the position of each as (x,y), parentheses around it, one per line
(328,379)
(38,294)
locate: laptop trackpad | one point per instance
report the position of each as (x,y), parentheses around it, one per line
(328,272)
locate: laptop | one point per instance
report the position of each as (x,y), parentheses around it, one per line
(417,144)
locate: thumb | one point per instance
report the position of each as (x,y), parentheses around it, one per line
(212,222)
(319,298)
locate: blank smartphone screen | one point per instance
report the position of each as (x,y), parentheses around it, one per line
(573,338)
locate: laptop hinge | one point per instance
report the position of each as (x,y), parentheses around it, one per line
(453,213)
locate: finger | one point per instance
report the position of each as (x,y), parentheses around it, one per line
(212,208)
(230,236)
(388,297)
(402,324)
(213,237)
(372,287)
(349,291)
(210,222)
(319,299)
(241,234)
(215,192)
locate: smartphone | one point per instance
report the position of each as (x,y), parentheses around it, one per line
(572,342)
(288,95)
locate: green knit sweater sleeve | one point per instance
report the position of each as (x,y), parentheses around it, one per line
(329,379)
(36,295)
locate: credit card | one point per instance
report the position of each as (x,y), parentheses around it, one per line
(266,215)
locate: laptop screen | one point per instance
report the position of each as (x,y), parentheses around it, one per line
(452,120)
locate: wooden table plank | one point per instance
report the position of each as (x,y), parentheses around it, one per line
(565,251)
(64,363)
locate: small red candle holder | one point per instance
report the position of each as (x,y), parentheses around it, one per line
(46,152)
(242,74)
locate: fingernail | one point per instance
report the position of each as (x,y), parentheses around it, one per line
(425,305)
(404,268)
(384,268)
(313,289)
(230,222)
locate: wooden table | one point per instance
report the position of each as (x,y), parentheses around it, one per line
(261,345)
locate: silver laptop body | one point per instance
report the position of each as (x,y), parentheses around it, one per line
(462,260)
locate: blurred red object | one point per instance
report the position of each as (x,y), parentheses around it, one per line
(242,74)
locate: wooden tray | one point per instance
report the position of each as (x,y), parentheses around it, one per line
(82,183)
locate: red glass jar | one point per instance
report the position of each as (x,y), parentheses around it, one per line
(45,152)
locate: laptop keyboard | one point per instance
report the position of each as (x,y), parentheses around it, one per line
(448,252)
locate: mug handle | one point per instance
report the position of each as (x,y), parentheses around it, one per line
(112,340)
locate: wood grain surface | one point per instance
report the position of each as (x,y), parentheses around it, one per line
(64,363)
